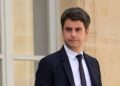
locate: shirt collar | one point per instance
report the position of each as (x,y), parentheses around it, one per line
(70,52)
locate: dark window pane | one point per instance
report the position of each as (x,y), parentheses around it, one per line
(40,27)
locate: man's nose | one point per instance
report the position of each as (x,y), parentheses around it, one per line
(73,33)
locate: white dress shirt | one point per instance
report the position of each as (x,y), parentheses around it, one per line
(75,67)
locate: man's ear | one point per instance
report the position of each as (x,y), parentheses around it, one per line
(87,31)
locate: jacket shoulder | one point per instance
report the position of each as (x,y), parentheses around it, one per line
(91,58)
(51,58)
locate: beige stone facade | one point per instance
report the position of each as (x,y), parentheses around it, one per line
(103,42)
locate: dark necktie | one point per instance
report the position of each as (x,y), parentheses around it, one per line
(82,74)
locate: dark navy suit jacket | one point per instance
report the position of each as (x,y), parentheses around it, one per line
(55,70)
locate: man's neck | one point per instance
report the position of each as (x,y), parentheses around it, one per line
(73,50)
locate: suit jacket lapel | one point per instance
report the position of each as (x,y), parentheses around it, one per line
(67,67)
(90,65)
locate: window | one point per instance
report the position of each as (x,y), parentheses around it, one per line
(28,35)
(30,38)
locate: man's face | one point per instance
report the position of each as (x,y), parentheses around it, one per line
(74,34)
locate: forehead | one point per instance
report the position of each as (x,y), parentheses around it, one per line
(73,23)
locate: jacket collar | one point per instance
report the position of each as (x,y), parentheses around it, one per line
(67,66)
(91,68)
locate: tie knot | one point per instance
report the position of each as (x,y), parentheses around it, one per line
(79,57)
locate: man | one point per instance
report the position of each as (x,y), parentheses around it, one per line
(70,66)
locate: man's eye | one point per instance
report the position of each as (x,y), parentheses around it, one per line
(78,29)
(68,29)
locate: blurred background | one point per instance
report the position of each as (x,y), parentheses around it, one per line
(30,29)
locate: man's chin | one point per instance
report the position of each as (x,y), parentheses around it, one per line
(74,47)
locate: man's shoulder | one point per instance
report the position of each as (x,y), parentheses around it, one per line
(90,57)
(51,58)
(53,55)
(91,60)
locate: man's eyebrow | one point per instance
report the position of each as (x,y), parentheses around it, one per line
(67,27)
(78,28)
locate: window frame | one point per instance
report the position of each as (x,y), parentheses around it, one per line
(7,58)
